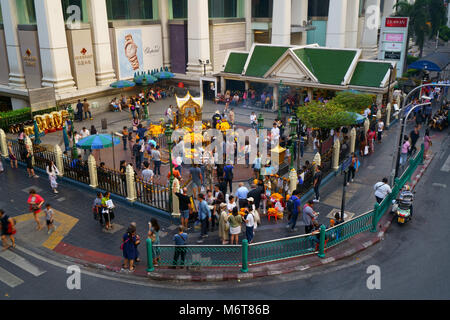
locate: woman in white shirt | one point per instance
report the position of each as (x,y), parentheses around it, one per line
(52,172)
(231,203)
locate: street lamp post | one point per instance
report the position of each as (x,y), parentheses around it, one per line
(168,133)
(260,128)
(389,85)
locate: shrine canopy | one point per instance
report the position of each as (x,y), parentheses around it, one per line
(189,99)
(309,66)
(436,61)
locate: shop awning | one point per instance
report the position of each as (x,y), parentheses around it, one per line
(436,61)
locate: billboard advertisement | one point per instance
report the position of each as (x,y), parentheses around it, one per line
(138,49)
(393,40)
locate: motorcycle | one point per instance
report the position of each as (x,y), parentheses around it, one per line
(402,206)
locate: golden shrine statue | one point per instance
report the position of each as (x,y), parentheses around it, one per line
(189,110)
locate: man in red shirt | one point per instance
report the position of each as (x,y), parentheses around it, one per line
(35,201)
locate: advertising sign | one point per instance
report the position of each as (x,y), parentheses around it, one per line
(138,49)
(393,38)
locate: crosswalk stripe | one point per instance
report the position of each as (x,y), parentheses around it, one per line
(21,263)
(9,279)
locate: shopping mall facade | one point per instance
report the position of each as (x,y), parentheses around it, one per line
(78,47)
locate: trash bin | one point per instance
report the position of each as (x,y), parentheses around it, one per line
(104,124)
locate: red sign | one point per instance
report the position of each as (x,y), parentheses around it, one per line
(396,22)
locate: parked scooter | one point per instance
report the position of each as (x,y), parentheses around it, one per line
(402,206)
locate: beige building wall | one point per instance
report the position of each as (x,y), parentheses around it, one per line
(4,67)
(224,37)
(81,57)
(31,58)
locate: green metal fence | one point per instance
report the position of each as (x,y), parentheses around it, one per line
(280,249)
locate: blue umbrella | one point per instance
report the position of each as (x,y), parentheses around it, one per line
(164,74)
(122,84)
(66,139)
(97,141)
(145,79)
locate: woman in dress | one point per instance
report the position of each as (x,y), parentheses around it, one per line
(52,172)
(12,156)
(427,142)
(153,234)
(35,201)
(129,248)
(224,227)
(235,221)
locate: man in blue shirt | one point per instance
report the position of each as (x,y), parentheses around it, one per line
(228,171)
(204,215)
(241,195)
(180,240)
(295,210)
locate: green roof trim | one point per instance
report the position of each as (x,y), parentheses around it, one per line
(329,66)
(369,74)
(236,62)
(262,59)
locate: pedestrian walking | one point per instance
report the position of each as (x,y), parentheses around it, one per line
(219,198)
(380,130)
(235,221)
(228,172)
(35,201)
(156,157)
(12,156)
(180,240)
(97,208)
(8,229)
(153,234)
(354,166)
(253,121)
(427,143)
(363,144)
(414,136)
(49,218)
(406,147)
(224,225)
(371,139)
(204,215)
(382,189)
(129,248)
(108,210)
(309,215)
(294,209)
(317,180)
(53,173)
(185,207)
(125,137)
(29,160)
(79,111)
(86,109)
(249,220)
(197,179)
(138,241)
(241,195)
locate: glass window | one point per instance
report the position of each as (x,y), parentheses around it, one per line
(26,13)
(262,8)
(132,9)
(318,8)
(225,8)
(179,9)
(79,3)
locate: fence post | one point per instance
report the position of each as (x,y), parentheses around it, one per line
(131,186)
(150,267)
(3,146)
(59,160)
(92,166)
(322,242)
(29,146)
(388,115)
(375,217)
(336,150)
(352,140)
(244,256)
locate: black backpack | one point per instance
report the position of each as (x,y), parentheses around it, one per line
(290,205)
